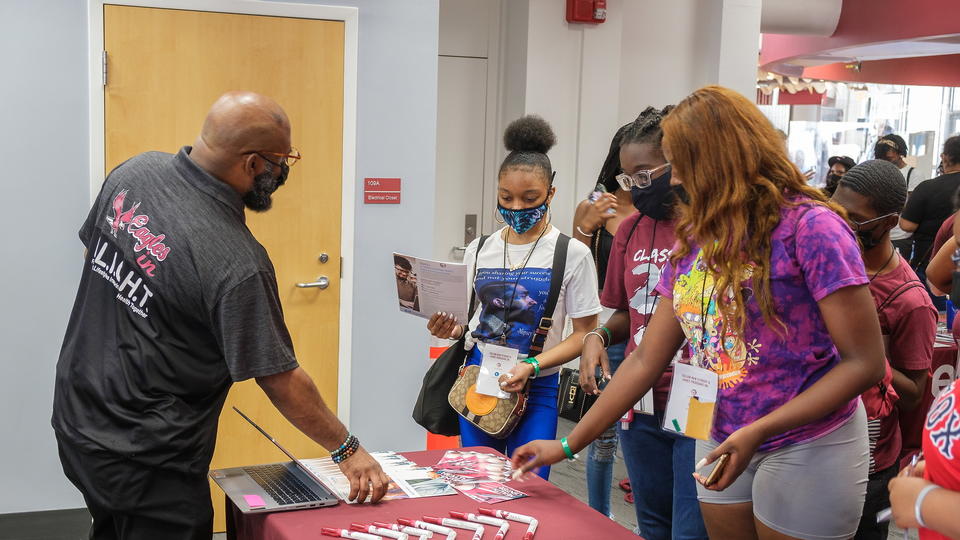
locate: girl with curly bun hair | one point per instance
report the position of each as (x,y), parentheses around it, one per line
(767,287)
(513,275)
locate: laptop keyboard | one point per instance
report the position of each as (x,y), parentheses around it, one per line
(281,484)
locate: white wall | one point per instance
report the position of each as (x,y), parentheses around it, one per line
(466,114)
(587,80)
(44,146)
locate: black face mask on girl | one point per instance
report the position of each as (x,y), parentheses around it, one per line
(657,199)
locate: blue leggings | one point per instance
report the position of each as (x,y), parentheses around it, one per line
(538,422)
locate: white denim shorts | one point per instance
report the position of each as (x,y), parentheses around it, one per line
(812,490)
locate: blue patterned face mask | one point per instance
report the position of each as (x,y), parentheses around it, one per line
(524,219)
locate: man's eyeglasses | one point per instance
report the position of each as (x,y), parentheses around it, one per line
(289,160)
(858,225)
(641,179)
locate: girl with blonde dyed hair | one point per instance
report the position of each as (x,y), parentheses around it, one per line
(768,288)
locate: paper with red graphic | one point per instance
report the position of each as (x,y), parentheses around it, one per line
(478,476)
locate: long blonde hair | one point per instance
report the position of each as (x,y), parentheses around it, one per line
(735,170)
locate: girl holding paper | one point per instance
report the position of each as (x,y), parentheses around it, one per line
(513,277)
(768,286)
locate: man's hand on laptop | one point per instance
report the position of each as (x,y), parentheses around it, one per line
(365,476)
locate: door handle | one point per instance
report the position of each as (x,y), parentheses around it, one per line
(322,282)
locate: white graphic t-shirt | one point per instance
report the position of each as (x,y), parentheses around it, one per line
(511,302)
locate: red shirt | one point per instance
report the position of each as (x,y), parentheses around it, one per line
(909,322)
(941,446)
(944,234)
(641,247)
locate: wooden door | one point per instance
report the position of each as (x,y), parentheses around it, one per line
(166,67)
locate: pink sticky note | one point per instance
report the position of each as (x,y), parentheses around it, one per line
(255,501)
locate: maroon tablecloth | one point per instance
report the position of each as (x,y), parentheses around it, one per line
(911,422)
(561,516)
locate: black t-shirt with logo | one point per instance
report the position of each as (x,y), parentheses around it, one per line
(928,206)
(177,300)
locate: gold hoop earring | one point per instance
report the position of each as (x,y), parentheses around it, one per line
(499,219)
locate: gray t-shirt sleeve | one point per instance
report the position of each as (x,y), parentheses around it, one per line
(248,322)
(90,224)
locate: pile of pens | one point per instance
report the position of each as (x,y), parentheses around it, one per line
(430,526)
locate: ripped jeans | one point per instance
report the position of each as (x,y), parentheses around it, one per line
(602,452)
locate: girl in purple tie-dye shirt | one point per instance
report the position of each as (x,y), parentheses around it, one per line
(768,290)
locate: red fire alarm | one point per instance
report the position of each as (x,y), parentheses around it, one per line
(586,11)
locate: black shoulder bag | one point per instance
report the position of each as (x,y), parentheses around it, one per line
(432,410)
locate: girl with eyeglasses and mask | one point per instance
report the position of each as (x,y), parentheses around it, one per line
(767,286)
(660,465)
(513,275)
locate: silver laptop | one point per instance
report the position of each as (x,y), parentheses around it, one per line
(273,487)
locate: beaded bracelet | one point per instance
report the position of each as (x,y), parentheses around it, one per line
(347,449)
(536,366)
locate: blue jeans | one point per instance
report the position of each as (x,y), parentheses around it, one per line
(660,466)
(602,452)
(539,421)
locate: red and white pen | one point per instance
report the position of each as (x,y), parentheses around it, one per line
(531,522)
(372,529)
(456,523)
(412,531)
(344,533)
(503,524)
(451,534)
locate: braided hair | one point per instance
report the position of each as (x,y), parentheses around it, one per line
(644,129)
(611,165)
(881,182)
(528,139)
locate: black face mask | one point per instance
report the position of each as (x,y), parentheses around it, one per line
(867,240)
(833,178)
(259,198)
(657,199)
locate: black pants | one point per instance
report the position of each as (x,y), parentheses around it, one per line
(878,498)
(129,500)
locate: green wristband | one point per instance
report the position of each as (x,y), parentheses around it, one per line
(536,366)
(566,449)
(609,335)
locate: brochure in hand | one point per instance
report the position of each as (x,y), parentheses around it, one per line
(407,479)
(425,287)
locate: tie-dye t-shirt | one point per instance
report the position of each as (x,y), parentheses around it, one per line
(813,254)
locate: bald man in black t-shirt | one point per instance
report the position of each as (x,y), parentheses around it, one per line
(177,301)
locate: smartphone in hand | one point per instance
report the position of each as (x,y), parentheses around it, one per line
(717,470)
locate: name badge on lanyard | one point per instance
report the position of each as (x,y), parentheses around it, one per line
(497,360)
(693,398)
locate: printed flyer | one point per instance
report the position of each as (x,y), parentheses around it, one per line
(425,287)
